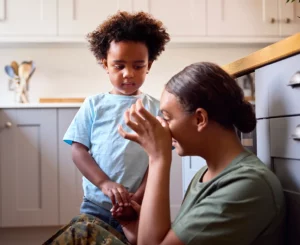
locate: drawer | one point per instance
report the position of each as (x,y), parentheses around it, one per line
(287,171)
(283,141)
(293,218)
(273,95)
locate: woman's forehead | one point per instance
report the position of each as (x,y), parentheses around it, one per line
(168,102)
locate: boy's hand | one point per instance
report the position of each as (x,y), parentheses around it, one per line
(116,192)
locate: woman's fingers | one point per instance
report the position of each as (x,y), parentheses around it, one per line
(162,121)
(146,115)
(136,206)
(126,135)
(134,116)
(138,119)
(128,121)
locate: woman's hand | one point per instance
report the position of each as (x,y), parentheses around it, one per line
(151,133)
(130,228)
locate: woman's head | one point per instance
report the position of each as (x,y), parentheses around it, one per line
(206,88)
(126,45)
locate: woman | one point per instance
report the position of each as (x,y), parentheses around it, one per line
(235,199)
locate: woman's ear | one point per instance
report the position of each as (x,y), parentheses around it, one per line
(202,119)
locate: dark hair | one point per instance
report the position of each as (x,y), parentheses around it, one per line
(124,26)
(206,85)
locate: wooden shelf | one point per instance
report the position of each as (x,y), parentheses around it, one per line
(61,100)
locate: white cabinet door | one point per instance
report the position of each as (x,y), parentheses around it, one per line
(70,179)
(79,17)
(288,17)
(242,18)
(190,166)
(181,17)
(28,167)
(30,18)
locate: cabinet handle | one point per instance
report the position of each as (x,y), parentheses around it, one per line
(295,80)
(272,20)
(296,135)
(8,124)
(287,20)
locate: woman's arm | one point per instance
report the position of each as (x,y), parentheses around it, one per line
(155,138)
(139,194)
(89,168)
(155,220)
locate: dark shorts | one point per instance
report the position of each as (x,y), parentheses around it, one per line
(88,207)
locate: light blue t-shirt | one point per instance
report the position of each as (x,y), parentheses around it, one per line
(95,126)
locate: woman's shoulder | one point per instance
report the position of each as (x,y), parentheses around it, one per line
(252,177)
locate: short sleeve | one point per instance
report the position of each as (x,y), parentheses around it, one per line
(236,213)
(80,127)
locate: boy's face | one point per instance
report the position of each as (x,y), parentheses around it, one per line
(127,65)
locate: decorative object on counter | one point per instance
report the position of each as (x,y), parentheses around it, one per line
(19,76)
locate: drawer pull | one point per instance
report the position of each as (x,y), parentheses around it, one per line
(296,135)
(295,80)
(8,124)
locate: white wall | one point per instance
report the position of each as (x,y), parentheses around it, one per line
(70,70)
(65,70)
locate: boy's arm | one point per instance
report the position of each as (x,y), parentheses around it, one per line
(139,194)
(89,168)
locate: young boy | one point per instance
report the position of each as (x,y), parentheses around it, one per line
(115,169)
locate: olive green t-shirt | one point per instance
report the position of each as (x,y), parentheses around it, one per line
(244,204)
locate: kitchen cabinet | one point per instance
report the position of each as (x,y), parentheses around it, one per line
(28,167)
(186,21)
(288,20)
(39,183)
(70,178)
(252,18)
(183,19)
(79,17)
(28,18)
(278,132)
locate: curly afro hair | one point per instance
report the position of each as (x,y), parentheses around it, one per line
(124,26)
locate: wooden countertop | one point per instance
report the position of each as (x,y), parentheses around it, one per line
(277,51)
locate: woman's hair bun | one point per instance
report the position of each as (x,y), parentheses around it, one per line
(244,118)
